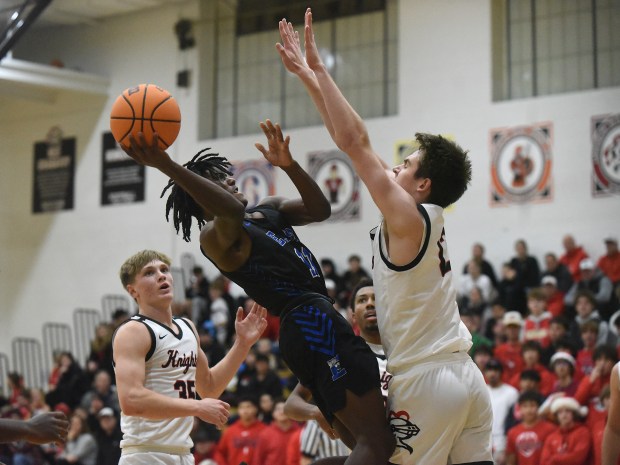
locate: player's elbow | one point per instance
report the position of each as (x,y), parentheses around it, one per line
(131,405)
(352,141)
(323,212)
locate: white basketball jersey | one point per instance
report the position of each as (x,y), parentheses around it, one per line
(416,303)
(384,375)
(171,371)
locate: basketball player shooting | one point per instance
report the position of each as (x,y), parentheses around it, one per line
(258,249)
(439,406)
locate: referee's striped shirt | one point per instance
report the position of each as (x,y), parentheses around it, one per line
(316,444)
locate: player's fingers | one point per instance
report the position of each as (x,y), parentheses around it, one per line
(155,141)
(278,131)
(270,126)
(287,141)
(261,148)
(239,314)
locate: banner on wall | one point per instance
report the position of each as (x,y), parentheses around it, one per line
(255,179)
(521,164)
(54,173)
(333,172)
(605,131)
(122,179)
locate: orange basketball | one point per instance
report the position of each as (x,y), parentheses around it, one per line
(146,108)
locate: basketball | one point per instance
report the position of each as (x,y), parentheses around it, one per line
(145,108)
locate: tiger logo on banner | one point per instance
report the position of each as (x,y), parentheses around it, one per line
(255,179)
(521,164)
(334,173)
(605,130)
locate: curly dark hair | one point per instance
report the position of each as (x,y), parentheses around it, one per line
(448,167)
(211,166)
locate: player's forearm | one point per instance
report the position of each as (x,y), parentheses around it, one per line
(220,375)
(296,408)
(349,129)
(142,402)
(13,430)
(611,446)
(311,84)
(209,195)
(314,200)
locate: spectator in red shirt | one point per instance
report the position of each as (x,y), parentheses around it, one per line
(554,297)
(605,357)
(239,441)
(610,262)
(563,366)
(570,444)
(536,326)
(273,440)
(530,352)
(573,255)
(585,356)
(509,353)
(525,440)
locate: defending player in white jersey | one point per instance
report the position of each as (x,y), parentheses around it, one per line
(161,369)
(439,406)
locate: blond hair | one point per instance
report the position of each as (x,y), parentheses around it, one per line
(136,262)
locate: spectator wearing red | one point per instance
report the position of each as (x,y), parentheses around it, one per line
(293,448)
(536,326)
(559,271)
(596,420)
(530,352)
(509,353)
(609,263)
(240,440)
(585,356)
(573,254)
(273,440)
(554,297)
(525,440)
(590,387)
(570,444)
(563,366)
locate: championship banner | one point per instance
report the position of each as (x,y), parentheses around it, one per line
(255,179)
(521,164)
(605,131)
(334,173)
(122,179)
(54,173)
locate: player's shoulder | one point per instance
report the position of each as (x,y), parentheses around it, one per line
(134,327)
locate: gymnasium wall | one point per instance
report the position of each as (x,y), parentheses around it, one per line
(51,264)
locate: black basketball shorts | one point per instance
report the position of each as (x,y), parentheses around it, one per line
(319,346)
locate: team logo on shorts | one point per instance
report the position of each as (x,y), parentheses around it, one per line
(403,429)
(336,369)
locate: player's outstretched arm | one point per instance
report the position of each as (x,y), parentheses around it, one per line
(40,429)
(211,382)
(295,62)
(313,206)
(611,435)
(209,195)
(131,344)
(351,136)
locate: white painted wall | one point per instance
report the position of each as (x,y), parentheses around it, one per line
(52,264)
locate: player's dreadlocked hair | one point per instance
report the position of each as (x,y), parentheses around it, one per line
(208,165)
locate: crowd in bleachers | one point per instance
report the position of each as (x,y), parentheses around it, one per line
(545,337)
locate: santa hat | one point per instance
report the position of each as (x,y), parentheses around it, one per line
(570,404)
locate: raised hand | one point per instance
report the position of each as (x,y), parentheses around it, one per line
(144,153)
(250,328)
(312,52)
(290,49)
(278,153)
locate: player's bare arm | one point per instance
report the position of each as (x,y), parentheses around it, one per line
(40,429)
(223,238)
(298,407)
(211,382)
(295,62)
(399,208)
(131,344)
(611,435)
(313,206)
